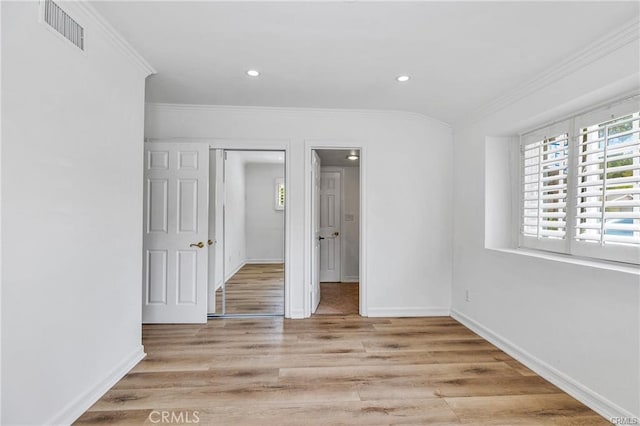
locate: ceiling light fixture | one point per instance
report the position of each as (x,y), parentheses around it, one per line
(353,157)
(403,78)
(253,73)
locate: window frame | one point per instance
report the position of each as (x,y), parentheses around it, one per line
(570,245)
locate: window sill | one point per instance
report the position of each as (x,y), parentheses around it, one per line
(574,260)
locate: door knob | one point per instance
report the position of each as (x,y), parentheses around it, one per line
(200,244)
(320,238)
(335,234)
(210,242)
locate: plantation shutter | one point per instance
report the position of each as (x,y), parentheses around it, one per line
(580,184)
(545,168)
(608,181)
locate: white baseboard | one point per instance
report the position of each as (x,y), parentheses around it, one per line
(350,279)
(78,406)
(235,271)
(590,398)
(265,261)
(434,311)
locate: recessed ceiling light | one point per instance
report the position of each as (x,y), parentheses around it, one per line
(253,73)
(352,157)
(403,78)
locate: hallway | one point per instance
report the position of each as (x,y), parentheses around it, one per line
(256,289)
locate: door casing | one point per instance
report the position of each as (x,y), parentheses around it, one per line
(316,175)
(310,146)
(221,179)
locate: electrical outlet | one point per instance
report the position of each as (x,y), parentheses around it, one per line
(467,295)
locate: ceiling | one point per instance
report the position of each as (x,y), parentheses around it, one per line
(337,157)
(460,55)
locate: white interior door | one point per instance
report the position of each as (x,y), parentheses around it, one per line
(315,229)
(330,197)
(175,233)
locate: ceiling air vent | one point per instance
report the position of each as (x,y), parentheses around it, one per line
(63,23)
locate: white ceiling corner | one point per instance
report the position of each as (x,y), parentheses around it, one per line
(114,36)
(622,34)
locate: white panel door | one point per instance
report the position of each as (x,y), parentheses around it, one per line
(315,231)
(330,197)
(175,233)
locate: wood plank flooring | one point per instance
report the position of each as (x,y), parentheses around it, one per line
(330,370)
(339,299)
(255,289)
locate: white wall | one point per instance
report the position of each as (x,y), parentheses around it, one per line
(408,265)
(72,141)
(265,224)
(578,324)
(235,251)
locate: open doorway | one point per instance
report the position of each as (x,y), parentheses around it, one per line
(247,210)
(335,206)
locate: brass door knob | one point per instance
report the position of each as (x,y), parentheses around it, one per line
(210,242)
(200,244)
(335,234)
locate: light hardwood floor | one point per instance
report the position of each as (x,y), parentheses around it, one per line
(330,370)
(255,289)
(339,299)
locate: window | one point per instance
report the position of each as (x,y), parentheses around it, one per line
(580,185)
(280,194)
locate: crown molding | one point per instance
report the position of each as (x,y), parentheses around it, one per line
(624,34)
(113,36)
(292,110)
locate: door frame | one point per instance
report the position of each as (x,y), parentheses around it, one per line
(316,183)
(218,225)
(309,146)
(257,145)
